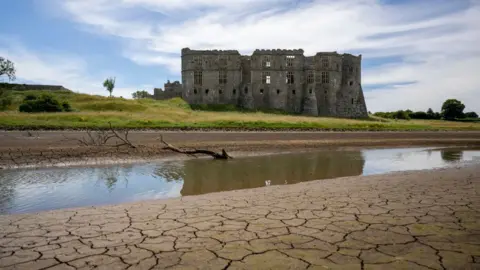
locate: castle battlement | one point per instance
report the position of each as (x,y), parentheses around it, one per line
(279,51)
(188,51)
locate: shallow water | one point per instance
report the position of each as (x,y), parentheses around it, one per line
(24,191)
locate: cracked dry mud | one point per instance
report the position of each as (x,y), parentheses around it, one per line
(414,220)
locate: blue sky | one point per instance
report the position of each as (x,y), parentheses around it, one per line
(415,53)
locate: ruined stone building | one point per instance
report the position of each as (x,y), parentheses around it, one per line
(326,84)
(170,90)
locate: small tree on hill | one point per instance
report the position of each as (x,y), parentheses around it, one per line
(7,68)
(109,84)
(452,109)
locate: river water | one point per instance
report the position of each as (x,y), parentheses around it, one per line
(23,191)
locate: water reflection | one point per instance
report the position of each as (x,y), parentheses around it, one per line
(45,189)
(200,178)
(451,155)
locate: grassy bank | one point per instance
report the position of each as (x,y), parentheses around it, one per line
(96,111)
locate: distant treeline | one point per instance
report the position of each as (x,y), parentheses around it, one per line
(452,109)
(409,114)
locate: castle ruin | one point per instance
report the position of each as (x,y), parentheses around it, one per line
(326,84)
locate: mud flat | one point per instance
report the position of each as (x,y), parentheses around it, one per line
(409,220)
(51,148)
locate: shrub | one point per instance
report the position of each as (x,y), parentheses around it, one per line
(66,106)
(44,103)
(5,100)
(471,115)
(401,115)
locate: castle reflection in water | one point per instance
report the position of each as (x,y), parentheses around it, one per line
(243,173)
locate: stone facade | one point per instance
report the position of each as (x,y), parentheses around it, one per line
(327,84)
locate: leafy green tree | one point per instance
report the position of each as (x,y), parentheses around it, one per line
(401,115)
(471,115)
(7,68)
(452,109)
(109,84)
(141,94)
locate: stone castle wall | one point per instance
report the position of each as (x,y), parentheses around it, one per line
(327,84)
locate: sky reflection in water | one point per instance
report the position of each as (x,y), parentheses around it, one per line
(53,188)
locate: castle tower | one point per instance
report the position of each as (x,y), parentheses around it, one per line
(210,76)
(277,79)
(245,96)
(350,100)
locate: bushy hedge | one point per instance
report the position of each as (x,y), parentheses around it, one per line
(43,103)
(5,100)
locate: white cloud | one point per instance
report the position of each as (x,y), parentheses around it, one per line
(437,42)
(56,69)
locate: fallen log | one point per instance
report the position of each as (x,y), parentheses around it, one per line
(215,155)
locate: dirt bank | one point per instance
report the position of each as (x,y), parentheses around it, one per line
(47,148)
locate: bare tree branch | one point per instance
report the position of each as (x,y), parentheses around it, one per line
(215,155)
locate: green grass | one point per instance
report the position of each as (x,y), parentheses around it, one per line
(96,111)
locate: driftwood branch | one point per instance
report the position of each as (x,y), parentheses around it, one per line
(215,155)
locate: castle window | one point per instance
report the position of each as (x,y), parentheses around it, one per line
(310,91)
(290,77)
(325,77)
(234,91)
(325,62)
(289,60)
(220,91)
(195,91)
(197,77)
(222,60)
(266,61)
(197,59)
(246,90)
(293,92)
(206,91)
(261,91)
(352,101)
(278,91)
(310,77)
(350,69)
(266,77)
(351,83)
(222,76)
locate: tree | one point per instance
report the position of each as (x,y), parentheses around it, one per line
(7,68)
(109,84)
(401,115)
(452,109)
(471,115)
(141,94)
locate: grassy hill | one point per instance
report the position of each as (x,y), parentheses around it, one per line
(96,111)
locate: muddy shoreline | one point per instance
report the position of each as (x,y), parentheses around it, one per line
(21,149)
